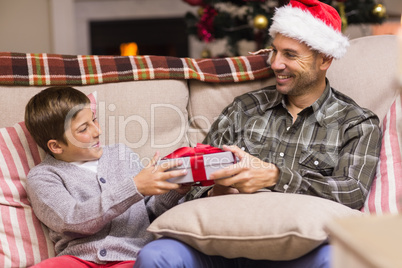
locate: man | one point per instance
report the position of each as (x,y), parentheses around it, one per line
(300,136)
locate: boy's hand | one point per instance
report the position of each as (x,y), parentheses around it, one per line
(152,180)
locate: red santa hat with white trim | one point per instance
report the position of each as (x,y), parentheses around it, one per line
(314,23)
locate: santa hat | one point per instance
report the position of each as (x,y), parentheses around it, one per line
(316,24)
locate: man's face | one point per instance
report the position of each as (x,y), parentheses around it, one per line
(296,66)
(82,138)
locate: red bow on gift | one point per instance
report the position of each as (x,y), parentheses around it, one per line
(196,160)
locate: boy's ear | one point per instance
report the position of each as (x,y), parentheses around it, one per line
(54,147)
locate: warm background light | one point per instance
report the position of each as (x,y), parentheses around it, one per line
(129,49)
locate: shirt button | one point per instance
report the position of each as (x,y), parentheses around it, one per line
(316,162)
(281,154)
(103,252)
(102,180)
(285,186)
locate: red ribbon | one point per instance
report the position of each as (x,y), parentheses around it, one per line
(196,160)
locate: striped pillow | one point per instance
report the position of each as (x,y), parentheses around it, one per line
(24,240)
(385,195)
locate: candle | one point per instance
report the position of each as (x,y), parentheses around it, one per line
(399,36)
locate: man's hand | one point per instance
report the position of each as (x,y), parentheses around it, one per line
(152,180)
(249,175)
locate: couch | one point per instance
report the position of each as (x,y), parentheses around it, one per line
(162,103)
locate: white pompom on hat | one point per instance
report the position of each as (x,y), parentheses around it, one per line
(314,23)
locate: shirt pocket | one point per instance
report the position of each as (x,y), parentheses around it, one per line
(261,150)
(323,163)
(252,145)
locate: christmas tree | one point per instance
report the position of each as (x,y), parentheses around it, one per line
(236,20)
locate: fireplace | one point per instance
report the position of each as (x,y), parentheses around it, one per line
(161,36)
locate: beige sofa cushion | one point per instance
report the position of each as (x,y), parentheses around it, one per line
(266,225)
(145,116)
(12,102)
(367,73)
(207,100)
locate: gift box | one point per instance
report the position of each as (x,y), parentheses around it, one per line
(200,161)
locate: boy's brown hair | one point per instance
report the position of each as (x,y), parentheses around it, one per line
(46,113)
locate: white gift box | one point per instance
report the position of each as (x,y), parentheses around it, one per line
(211,163)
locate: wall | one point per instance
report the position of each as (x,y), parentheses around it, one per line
(394,7)
(61,26)
(25,26)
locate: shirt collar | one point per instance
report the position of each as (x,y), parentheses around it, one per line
(317,106)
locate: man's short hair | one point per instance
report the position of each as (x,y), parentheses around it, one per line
(46,113)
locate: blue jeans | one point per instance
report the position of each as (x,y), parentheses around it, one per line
(168,252)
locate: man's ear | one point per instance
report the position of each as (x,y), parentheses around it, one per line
(54,147)
(325,62)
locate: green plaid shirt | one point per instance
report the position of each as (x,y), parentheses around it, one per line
(331,150)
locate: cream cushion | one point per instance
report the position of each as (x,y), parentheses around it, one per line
(207,100)
(265,225)
(153,116)
(367,73)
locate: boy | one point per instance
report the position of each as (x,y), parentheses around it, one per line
(97,201)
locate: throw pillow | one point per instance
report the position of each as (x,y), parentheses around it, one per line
(264,225)
(24,240)
(385,196)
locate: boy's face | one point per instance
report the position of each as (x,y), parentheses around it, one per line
(82,139)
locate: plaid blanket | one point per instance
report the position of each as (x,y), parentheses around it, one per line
(52,69)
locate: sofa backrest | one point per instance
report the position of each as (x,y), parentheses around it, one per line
(145,116)
(207,100)
(367,73)
(142,100)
